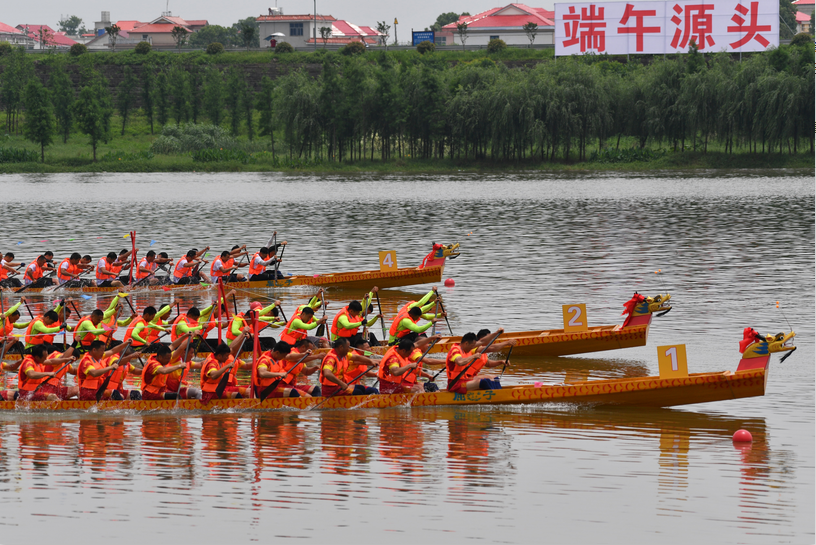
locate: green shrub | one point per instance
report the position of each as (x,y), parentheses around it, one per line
(16,155)
(112,156)
(78,49)
(353,48)
(284,47)
(426,47)
(803,38)
(5,49)
(634,155)
(142,48)
(215,48)
(217,155)
(188,137)
(496,45)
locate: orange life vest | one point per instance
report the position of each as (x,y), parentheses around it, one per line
(131,327)
(224,267)
(191,323)
(103,264)
(340,366)
(256,269)
(394,330)
(139,274)
(271,365)
(88,337)
(23,382)
(113,324)
(37,273)
(30,337)
(211,364)
(53,368)
(3,271)
(85,380)
(153,333)
(338,331)
(180,272)
(240,317)
(72,269)
(158,385)
(453,368)
(8,326)
(290,335)
(408,378)
(118,375)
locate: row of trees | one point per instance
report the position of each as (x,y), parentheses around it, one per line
(371,105)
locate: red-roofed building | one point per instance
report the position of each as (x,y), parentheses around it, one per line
(158,32)
(46,37)
(15,37)
(504,23)
(802,22)
(299,30)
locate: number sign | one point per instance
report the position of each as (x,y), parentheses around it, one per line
(672,361)
(575,318)
(388,260)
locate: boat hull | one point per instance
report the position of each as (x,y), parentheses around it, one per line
(641,392)
(346,280)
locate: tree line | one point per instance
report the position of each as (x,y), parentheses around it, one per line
(368,106)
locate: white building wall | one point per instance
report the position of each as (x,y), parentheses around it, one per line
(270,27)
(510,37)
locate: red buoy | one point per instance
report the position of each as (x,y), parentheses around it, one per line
(450,283)
(742,436)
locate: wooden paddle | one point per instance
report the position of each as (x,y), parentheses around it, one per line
(439,300)
(101,390)
(271,388)
(183,370)
(132,256)
(465,370)
(277,264)
(321,329)
(21,290)
(358,377)
(405,375)
(382,320)
(506,361)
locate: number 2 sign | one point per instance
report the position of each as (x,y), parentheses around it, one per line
(575,318)
(672,362)
(388,260)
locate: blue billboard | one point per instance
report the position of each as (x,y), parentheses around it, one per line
(422,37)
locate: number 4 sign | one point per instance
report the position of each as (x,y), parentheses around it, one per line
(672,361)
(575,318)
(388,260)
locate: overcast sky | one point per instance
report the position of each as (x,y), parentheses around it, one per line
(416,14)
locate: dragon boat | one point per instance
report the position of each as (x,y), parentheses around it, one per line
(749,380)
(429,271)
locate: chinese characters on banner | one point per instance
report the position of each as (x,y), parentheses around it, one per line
(620,28)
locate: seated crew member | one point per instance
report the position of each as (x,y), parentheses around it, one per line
(222,360)
(224,267)
(400,367)
(9,321)
(95,364)
(405,323)
(107,268)
(34,274)
(49,261)
(8,268)
(465,353)
(140,327)
(55,363)
(258,264)
(268,368)
(116,388)
(272,253)
(146,270)
(302,347)
(301,321)
(123,264)
(41,330)
(69,270)
(239,321)
(193,320)
(31,375)
(158,368)
(333,371)
(87,329)
(347,322)
(188,269)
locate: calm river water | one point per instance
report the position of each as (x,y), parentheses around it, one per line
(729,246)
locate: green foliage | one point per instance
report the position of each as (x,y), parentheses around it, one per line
(126,95)
(62,97)
(802,39)
(161,98)
(787,19)
(426,46)
(39,118)
(213,99)
(78,49)
(496,45)
(142,48)
(196,80)
(112,156)
(148,83)
(694,60)
(5,49)
(264,104)
(211,34)
(284,47)
(248,34)
(214,48)
(353,48)
(237,93)
(179,87)
(16,155)
(70,25)
(634,155)
(219,155)
(188,138)
(445,19)
(94,110)
(180,36)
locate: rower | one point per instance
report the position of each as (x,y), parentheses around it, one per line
(55,363)
(140,328)
(268,315)
(69,271)
(405,324)
(301,321)
(31,374)
(86,330)
(158,368)
(292,365)
(461,355)
(9,321)
(123,264)
(268,367)
(302,347)
(34,274)
(116,388)
(362,346)
(187,269)
(106,272)
(272,253)
(347,322)
(258,264)
(96,363)
(224,267)
(146,268)
(334,367)
(222,360)
(49,261)
(7,268)
(41,330)
(400,367)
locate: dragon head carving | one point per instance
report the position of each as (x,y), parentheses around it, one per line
(439,253)
(754,345)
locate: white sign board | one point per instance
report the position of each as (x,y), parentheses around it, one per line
(621,28)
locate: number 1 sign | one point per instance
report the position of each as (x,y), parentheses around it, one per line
(672,361)
(575,318)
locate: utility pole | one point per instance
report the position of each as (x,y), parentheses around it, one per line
(314,26)
(396,42)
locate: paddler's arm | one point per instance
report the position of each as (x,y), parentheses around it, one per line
(238,342)
(398,371)
(116,349)
(266,310)
(21,325)
(183,328)
(298,324)
(112,307)
(164,311)
(235,326)
(124,321)
(344,323)
(488,338)
(59,360)
(264,372)
(408,324)
(205,314)
(316,301)
(328,372)
(94,372)
(87,327)
(271,321)
(424,301)
(423,342)
(135,334)
(11,309)
(39,327)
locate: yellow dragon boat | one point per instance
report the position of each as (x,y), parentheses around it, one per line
(430,271)
(749,380)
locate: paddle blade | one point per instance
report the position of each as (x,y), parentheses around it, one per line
(321,330)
